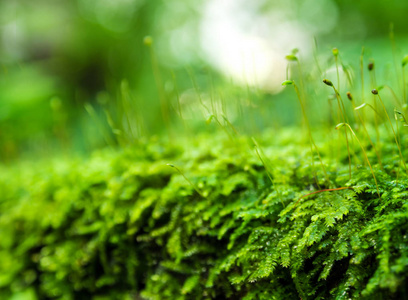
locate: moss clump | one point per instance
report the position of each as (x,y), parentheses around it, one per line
(124,225)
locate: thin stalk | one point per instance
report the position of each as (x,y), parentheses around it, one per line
(366,132)
(212,115)
(338,73)
(399,104)
(229,123)
(395,136)
(365,154)
(399,164)
(400,116)
(222,127)
(376,120)
(343,112)
(339,100)
(266,168)
(127,109)
(334,152)
(404,92)
(173,75)
(224,114)
(312,142)
(197,90)
(251,120)
(148,41)
(223,104)
(394,56)
(212,93)
(362,77)
(181,173)
(187,128)
(267,171)
(370,106)
(91,111)
(302,85)
(378,151)
(315,56)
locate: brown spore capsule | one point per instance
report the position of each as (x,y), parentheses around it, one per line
(327,82)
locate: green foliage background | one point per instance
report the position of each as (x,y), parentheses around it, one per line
(81,51)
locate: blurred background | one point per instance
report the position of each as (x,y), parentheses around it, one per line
(78,75)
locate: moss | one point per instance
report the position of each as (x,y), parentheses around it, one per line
(124,225)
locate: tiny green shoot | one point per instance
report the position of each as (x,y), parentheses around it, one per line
(182,174)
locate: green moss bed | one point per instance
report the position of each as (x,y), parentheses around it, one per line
(125,225)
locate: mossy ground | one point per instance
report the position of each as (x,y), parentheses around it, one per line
(125,225)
